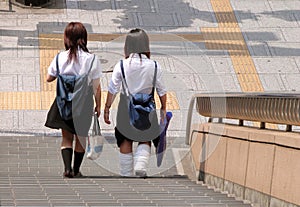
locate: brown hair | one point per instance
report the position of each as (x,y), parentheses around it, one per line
(137,41)
(75,36)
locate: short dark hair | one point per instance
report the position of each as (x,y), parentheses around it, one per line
(137,41)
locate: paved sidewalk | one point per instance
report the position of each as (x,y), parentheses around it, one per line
(203,46)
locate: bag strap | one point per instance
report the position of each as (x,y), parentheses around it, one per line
(57,67)
(153,83)
(123,75)
(96,126)
(154,78)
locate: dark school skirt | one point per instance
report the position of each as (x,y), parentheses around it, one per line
(120,138)
(124,130)
(78,126)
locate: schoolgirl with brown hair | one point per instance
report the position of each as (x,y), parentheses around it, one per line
(75,61)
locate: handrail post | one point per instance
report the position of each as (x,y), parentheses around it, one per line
(189,120)
(9,6)
(262,125)
(288,128)
(241,122)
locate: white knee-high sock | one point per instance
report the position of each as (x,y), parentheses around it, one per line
(126,162)
(141,157)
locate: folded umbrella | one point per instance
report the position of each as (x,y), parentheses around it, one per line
(161,147)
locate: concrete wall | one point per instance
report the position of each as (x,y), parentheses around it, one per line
(262,166)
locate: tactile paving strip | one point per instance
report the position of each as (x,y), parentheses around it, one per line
(228,36)
(43,100)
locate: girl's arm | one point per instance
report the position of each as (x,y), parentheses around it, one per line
(163,109)
(97,95)
(108,103)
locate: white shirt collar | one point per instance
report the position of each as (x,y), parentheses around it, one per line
(136,55)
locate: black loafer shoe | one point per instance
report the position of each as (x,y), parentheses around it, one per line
(68,174)
(77,175)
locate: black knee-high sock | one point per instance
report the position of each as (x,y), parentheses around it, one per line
(78,157)
(67,154)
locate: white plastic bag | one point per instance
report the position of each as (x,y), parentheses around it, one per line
(95,141)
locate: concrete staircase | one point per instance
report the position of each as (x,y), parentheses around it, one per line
(31,175)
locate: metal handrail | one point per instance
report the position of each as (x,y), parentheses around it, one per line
(272,108)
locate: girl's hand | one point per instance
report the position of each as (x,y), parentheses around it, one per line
(106,117)
(97,110)
(162,115)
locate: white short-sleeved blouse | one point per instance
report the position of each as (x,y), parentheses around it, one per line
(76,68)
(139,74)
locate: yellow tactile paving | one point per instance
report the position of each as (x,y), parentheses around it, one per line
(47,98)
(44,64)
(42,100)
(54,41)
(20,100)
(224,13)
(228,36)
(49,45)
(50,41)
(231,39)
